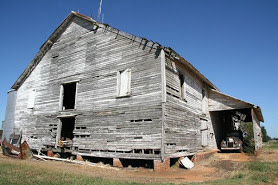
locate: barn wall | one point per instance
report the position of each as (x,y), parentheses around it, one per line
(183,118)
(8,124)
(257,131)
(105,125)
(219,101)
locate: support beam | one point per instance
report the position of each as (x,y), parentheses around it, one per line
(163,91)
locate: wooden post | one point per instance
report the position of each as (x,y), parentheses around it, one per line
(163,88)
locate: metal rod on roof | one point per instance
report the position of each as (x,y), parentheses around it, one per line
(99,10)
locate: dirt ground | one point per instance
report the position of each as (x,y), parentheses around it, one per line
(218,165)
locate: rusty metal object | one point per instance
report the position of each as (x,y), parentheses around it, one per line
(22,152)
(25,151)
(9,149)
(10,146)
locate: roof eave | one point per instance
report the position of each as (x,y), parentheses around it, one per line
(256,108)
(43,49)
(192,68)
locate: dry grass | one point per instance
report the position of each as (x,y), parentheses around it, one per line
(218,169)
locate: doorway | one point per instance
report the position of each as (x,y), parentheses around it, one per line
(67,127)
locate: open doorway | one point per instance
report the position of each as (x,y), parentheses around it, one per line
(67,127)
(227,121)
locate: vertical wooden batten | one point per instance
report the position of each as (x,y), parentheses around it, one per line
(163,89)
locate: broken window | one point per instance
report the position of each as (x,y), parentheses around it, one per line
(67,128)
(31,99)
(123,83)
(182,87)
(68,96)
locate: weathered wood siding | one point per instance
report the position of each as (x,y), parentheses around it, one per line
(105,125)
(183,117)
(257,131)
(219,101)
(8,124)
(218,128)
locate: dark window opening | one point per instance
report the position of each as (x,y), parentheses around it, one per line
(156,151)
(67,128)
(69,96)
(137,151)
(182,87)
(181,77)
(171,144)
(203,93)
(148,151)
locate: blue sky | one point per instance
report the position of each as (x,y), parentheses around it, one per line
(234,43)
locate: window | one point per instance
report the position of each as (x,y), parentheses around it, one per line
(68,96)
(204,101)
(123,83)
(31,99)
(182,87)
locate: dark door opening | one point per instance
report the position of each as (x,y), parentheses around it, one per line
(223,122)
(67,128)
(69,96)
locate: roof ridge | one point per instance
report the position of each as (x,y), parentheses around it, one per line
(52,39)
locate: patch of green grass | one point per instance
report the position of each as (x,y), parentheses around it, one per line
(252,173)
(17,174)
(263,171)
(272,145)
(266,167)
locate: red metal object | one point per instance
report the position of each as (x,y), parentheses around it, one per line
(10,146)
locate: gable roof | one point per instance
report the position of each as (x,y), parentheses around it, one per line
(57,33)
(148,43)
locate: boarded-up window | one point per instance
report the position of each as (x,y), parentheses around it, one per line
(123,83)
(31,99)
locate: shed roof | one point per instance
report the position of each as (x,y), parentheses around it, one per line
(243,104)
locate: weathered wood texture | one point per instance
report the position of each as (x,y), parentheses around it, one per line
(8,124)
(183,117)
(167,113)
(218,127)
(257,131)
(105,125)
(219,101)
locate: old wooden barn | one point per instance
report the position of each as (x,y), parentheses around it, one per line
(95,91)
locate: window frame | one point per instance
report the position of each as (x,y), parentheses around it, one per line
(31,99)
(182,85)
(61,100)
(127,93)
